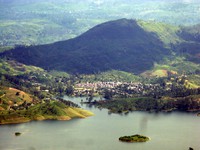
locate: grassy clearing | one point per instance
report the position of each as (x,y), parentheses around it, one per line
(193,81)
(12,95)
(177,65)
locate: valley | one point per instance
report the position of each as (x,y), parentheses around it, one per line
(162,77)
(130,69)
(124,92)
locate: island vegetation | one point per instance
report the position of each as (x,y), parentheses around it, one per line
(134,138)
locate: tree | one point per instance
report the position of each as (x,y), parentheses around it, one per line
(69,90)
(108,94)
(17,93)
(90,98)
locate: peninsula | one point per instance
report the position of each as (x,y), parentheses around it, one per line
(18,107)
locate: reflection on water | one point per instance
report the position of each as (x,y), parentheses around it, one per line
(143,124)
(168,131)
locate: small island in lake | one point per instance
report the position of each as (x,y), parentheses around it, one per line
(134,138)
(17,133)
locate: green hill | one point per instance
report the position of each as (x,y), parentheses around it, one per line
(124,45)
(17,107)
(29,22)
(119,45)
(15,68)
(191,43)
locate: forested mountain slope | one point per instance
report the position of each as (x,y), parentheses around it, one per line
(120,44)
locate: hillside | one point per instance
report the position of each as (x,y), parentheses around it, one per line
(17,107)
(11,96)
(125,45)
(15,68)
(120,45)
(33,22)
(191,43)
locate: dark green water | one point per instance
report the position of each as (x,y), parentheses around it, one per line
(168,131)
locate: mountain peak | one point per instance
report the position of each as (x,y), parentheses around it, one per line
(120,45)
(117,29)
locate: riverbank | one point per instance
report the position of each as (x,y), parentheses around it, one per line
(163,104)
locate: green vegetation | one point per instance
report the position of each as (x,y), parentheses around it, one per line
(173,66)
(5,48)
(161,59)
(31,32)
(39,22)
(11,96)
(124,105)
(134,138)
(108,42)
(191,33)
(18,107)
(165,103)
(59,74)
(167,33)
(16,68)
(160,47)
(193,81)
(109,76)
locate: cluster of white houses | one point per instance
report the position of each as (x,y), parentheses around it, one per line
(115,87)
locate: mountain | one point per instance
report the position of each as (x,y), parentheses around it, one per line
(28,22)
(191,33)
(190,43)
(121,45)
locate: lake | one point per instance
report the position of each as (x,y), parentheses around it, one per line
(168,131)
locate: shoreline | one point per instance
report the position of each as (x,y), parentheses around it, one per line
(77,113)
(60,118)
